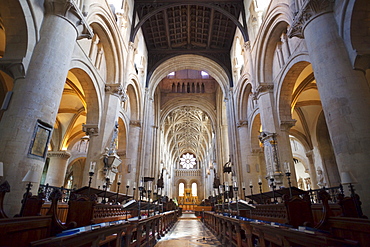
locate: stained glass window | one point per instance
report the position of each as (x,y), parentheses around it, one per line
(188,161)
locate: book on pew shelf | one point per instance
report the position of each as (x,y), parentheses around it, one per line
(127,204)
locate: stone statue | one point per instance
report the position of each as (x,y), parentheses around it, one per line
(320,178)
(300,183)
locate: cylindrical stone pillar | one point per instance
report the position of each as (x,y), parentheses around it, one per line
(57,168)
(132,154)
(344,92)
(36,97)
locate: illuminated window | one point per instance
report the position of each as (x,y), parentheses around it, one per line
(204,74)
(181,189)
(188,161)
(194,189)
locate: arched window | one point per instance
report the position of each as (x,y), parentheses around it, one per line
(194,189)
(181,189)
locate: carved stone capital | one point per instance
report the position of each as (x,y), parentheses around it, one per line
(68,10)
(116,89)
(257,151)
(247,45)
(90,129)
(59,154)
(309,11)
(263,88)
(242,123)
(286,125)
(13,68)
(136,123)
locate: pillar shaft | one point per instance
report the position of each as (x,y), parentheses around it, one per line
(36,97)
(57,168)
(344,92)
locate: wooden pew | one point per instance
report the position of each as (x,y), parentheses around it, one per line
(351,228)
(235,232)
(20,231)
(62,210)
(129,234)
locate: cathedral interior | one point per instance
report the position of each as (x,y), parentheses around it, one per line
(230,109)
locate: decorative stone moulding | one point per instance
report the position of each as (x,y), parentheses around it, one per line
(242,123)
(136,123)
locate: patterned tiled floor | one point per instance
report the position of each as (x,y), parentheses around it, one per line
(188,232)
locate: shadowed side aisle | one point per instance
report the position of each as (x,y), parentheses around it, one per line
(188,231)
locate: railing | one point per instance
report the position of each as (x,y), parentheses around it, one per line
(333,192)
(47,189)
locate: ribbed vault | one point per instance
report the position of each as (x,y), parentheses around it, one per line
(187,129)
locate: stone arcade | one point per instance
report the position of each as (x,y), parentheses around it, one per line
(145,100)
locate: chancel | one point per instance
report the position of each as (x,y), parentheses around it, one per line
(125,122)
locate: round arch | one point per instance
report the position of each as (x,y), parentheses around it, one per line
(100,20)
(194,62)
(274,25)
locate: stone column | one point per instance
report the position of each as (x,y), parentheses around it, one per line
(285,151)
(344,92)
(57,168)
(311,164)
(36,97)
(132,154)
(244,146)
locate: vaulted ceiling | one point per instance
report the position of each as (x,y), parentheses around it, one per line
(174,27)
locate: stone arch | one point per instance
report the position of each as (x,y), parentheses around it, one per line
(194,62)
(285,89)
(21,35)
(90,89)
(134,102)
(104,26)
(122,137)
(255,131)
(355,28)
(76,166)
(274,25)
(242,98)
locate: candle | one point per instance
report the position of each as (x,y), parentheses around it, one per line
(1,169)
(128,181)
(259,179)
(213,193)
(155,188)
(250,183)
(150,185)
(227,186)
(134,185)
(243,185)
(141,183)
(287,167)
(216,191)
(221,189)
(92,167)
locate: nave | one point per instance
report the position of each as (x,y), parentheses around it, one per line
(189,231)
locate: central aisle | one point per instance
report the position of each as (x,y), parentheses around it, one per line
(188,231)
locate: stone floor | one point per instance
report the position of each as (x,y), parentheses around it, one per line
(188,231)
